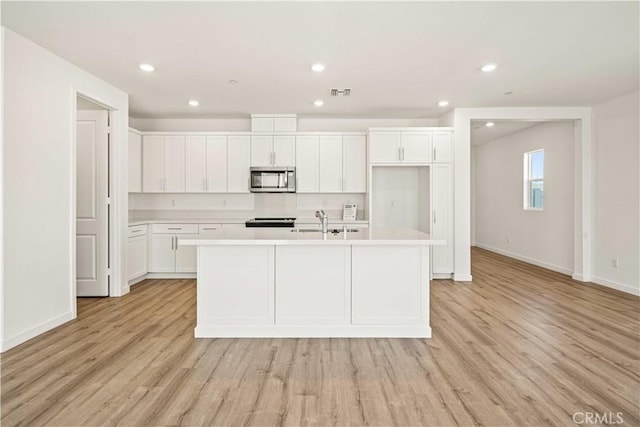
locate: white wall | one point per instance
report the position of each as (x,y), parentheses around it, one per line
(39,195)
(304,124)
(616,165)
(501,224)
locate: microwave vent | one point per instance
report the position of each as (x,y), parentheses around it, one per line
(340,92)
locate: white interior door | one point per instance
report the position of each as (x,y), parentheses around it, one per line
(92,239)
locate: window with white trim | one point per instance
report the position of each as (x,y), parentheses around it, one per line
(534,180)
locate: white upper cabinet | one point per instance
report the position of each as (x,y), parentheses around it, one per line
(174,166)
(354,164)
(153,164)
(267,151)
(135,162)
(442,147)
(274,123)
(285,124)
(216,179)
(384,147)
(196,164)
(330,154)
(307,164)
(238,161)
(284,150)
(261,151)
(419,146)
(415,147)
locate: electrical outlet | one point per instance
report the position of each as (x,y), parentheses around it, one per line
(614,262)
(173,202)
(224,202)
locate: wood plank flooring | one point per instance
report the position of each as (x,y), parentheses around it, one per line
(520,346)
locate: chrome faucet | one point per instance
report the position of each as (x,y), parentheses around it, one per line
(324,220)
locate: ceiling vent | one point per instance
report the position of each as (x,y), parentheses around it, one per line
(338,92)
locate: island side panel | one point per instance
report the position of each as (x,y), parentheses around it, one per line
(235,286)
(313,285)
(390,286)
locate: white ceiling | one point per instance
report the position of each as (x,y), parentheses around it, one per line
(480,133)
(399,59)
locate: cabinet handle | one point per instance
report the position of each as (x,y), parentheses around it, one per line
(434,154)
(209,228)
(171,242)
(274,158)
(174,228)
(434,217)
(402,153)
(399,153)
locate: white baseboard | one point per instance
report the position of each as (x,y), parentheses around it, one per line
(137,280)
(615,285)
(526,259)
(35,331)
(462,277)
(170,276)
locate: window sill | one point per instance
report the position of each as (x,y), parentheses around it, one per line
(534,209)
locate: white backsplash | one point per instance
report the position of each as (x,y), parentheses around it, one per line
(189,206)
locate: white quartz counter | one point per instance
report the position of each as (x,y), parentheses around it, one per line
(288,236)
(299,221)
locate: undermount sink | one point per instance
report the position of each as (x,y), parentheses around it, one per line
(317,230)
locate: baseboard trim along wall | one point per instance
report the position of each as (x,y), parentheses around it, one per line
(35,331)
(533,261)
(617,286)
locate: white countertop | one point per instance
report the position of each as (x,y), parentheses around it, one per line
(308,220)
(285,236)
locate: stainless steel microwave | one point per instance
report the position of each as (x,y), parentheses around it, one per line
(273,180)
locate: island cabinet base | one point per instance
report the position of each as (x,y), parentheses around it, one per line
(313,291)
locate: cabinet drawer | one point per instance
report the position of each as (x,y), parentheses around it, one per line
(137,230)
(174,228)
(207,228)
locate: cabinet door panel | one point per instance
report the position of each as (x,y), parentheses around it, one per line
(284,150)
(136,257)
(354,164)
(135,163)
(389,296)
(442,146)
(174,164)
(238,160)
(416,147)
(330,164)
(152,164)
(261,151)
(441,221)
(163,258)
(186,258)
(217,164)
(307,164)
(309,293)
(384,147)
(196,164)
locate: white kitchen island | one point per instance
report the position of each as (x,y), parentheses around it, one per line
(259,282)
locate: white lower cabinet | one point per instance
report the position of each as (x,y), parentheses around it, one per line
(442,219)
(313,285)
(137,252)
(390,285)
(166,256)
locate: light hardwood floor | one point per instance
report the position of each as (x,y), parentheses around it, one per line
(520,346)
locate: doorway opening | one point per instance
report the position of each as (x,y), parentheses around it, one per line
(93,193)
(523,190)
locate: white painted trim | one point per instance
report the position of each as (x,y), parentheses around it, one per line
(462,277)
(271,116)
(1,190)
(526,259)
(578,277)
(442,276)
(170,276)
(250,133)
(347,331)
(136,131)
(35,331)
(616,285)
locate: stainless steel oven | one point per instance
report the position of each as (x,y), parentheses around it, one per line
(273,180)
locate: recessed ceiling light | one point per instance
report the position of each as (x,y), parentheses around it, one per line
(318,102)
(147,67)
(233,82)
(193,103)
(489,67)
(490,124)
(443,103)
(318,67)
